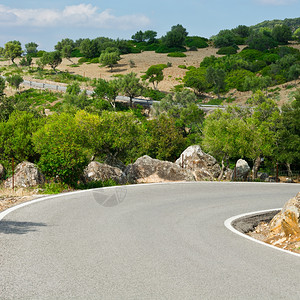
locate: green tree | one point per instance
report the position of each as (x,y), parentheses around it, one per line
(166,141)
(282,34)
(288,150)
(216,77)
(150,36)
(297,34)
(196,79)
(175,37)
(109,59)
(242,30)
(227,134)
(264,122)
(138,36)
(89,48)
(224,38)
(73,89)
(182,108)
(14,81)
(108,90)
(2,86)
(131,86)
(155,75)
(13,50)
(261,41)
(31,48)
(53,59)
(60,145)
(16,137)
(113,136)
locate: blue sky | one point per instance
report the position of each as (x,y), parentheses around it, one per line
(47,22)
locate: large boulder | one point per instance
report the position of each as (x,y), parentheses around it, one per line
(26,175)
(96,171)
(2,172)
(149,170)
(287,221)
(241,171)
(202,165)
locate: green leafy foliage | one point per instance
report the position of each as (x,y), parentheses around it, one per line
(61,148)
(12,50)
(176,54)
(196,41)
(227,50)
(16,137)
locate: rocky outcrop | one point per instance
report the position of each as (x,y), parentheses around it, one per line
(2,172)
(241,171)
(96,171)
(287,221)
(283,230)
(203,166)
(149,170)
(26,175)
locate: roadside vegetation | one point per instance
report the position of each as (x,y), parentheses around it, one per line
(62,133)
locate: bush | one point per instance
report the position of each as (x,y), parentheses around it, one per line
(182,66)
(176,54)
(251,54)
(165,49)
(154,94)
(55,188)
(196,42)
(76,53)
(227,50)
(83,60)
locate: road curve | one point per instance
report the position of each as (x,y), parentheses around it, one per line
(163,241)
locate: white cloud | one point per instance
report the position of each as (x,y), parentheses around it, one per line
(277,2)
(82,15)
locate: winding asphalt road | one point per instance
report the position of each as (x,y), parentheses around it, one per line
(164,241)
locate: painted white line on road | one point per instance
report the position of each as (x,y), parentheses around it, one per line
(228,224)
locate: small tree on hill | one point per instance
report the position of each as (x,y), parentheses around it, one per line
(175,37)
(155,75)
(31,48)
(131,86)
(109,59)
(15,81)
(53,59)
(13,50)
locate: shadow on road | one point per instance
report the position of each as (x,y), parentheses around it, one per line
(13,227)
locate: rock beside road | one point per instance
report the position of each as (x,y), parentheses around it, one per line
(203,166)
(2,172)
(284,229)
(149,170)
(96,171)
(241,171)
(26,175)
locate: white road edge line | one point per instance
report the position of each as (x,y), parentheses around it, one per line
(228,224)
(13,208)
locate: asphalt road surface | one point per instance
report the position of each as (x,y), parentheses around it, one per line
(165,241)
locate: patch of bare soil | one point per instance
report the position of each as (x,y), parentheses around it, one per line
(9,197)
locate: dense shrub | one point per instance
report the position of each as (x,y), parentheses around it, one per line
(164,49)
(235,79)
(227,50)
(176,54)
(196,42)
